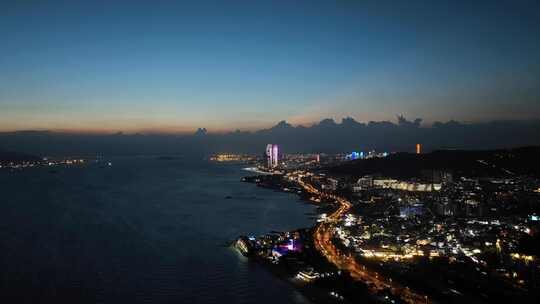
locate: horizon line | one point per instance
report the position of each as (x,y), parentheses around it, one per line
(192,131)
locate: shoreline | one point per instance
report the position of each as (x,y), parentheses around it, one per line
(313,294)
(256,170)
(321,290)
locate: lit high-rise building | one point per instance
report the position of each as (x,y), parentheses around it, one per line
(269,155)
(272,154)
(275,156)
(418,148)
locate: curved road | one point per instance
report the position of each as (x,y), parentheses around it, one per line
(322,237)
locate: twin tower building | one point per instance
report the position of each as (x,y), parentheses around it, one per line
(272,155)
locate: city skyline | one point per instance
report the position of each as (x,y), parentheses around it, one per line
(167,67)
(263,151)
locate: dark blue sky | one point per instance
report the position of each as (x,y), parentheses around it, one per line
(176,66)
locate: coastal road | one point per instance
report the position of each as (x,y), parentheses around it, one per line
(322,238)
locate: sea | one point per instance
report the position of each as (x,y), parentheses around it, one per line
(144,229)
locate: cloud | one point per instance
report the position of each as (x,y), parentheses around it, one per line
(325,136)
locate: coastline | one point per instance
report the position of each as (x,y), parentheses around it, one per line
(320,291)
(256,170)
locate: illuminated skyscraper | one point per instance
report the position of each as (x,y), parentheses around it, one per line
(418,148)
(275,156)
(269,155)
(272,154)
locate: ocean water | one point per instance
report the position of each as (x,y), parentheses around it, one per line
(143,230)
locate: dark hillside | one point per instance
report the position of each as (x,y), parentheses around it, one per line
(494,163)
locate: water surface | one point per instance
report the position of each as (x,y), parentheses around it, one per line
(143,230)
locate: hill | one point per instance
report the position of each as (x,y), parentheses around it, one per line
(495,163)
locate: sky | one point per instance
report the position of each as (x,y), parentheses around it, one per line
(175,66)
